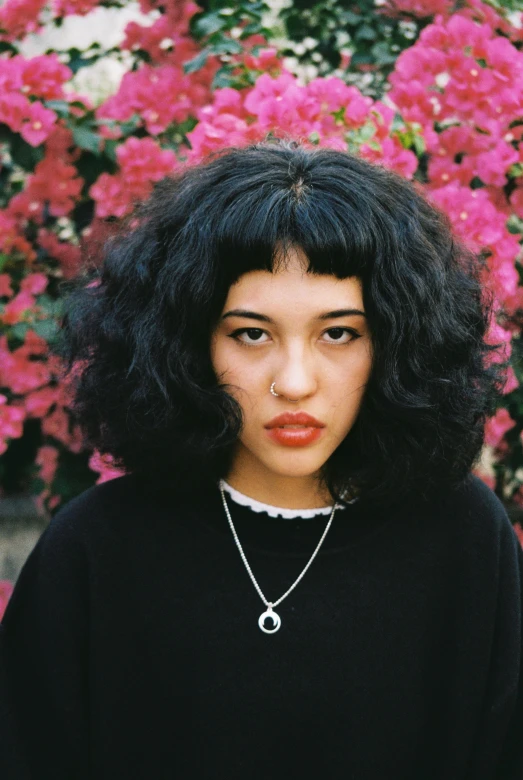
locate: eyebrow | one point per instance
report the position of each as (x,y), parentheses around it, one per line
(330,315)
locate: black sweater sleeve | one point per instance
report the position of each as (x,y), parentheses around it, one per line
(499,736)
(44,661)
(505,702)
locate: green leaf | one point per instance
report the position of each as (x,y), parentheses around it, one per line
(47,329)
(86,139)
(208,24)
(365,33)
(419,144)
(382,54)
(361,58)
(131,125)
(61,107)
(227,46)
(19,330)
(254,28)
(222,78)
(110,147)
(351,18)
(191,66)
(5,46)
(37,485)
(515,224)
(25,155)
(54,307)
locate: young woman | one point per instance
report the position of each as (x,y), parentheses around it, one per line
(299,574)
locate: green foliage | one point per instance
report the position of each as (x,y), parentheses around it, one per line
(374,40)
(221,28)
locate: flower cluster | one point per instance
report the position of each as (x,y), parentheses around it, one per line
(52,190)
(420,8)
(142,162)
(19,17)
(143,93)
(21,81)
(325,111)
(167,39)
(461,82)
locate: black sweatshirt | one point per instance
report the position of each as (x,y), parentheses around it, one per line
(131,646)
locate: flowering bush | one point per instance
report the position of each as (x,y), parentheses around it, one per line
(450,117)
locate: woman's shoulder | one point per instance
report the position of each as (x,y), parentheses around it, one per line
(477,516)
(111,508)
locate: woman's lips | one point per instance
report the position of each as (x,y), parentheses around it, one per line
(295,418)
(295,437)
(294,429)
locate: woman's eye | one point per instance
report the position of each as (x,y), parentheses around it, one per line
(254,335)
(251,336)
(341,335)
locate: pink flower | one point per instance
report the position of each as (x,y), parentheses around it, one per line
(18,371)
(56,183)
(18,17)
(104,465)
(34,283)
(111,196)
(56,424)
(47,460)
(497,426)
(14,108)
(68,255)
(265,60)
(421,8)
(11,422)
(5,286)
(17,307)
(43,76)
(6,590)
(225,129)
(38,124)
(38,402)
(498,335)
(76,7)
(160,95)
(492,167)
(142,162)
(512,381)
(516,199)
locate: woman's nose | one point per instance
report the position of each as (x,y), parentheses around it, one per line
(295,378)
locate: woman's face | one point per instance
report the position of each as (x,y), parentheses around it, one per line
(293,329)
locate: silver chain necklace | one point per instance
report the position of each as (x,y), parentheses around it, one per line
(269,613)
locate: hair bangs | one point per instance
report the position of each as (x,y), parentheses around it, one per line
(258,229)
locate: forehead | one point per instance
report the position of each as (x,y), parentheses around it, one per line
(291,286)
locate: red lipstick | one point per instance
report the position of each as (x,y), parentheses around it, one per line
(294,429)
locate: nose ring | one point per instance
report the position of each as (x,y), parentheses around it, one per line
(272,390)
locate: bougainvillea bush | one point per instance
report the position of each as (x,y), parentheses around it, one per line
(450,117)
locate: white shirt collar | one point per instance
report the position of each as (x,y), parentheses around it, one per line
(275,511)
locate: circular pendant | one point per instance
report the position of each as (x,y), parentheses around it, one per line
(276,621)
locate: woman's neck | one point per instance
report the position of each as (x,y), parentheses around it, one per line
(282,491)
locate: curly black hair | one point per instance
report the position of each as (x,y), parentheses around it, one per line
(139,324)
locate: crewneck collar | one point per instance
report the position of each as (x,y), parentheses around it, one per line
(276,511)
